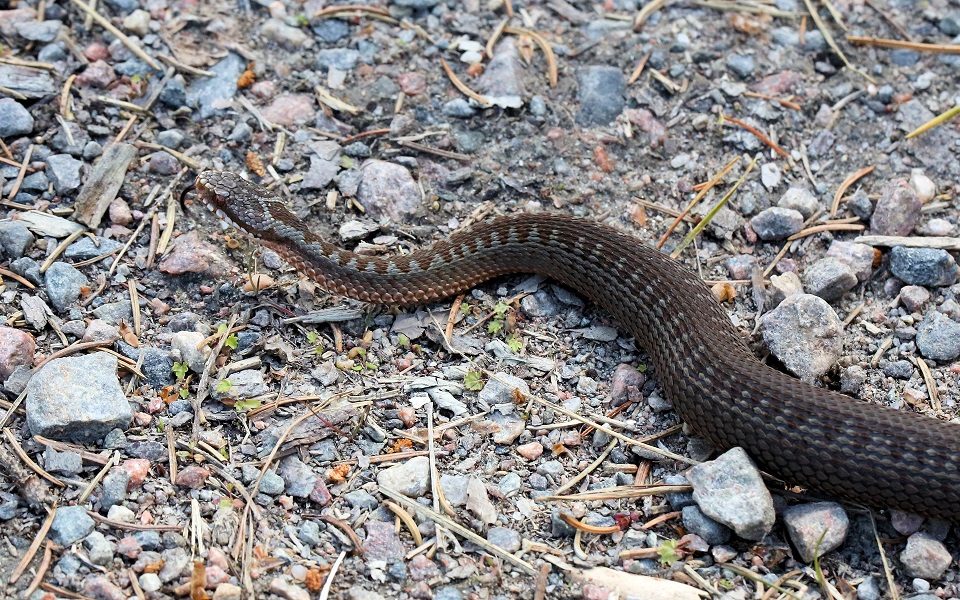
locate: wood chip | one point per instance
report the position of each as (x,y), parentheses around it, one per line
(104,182)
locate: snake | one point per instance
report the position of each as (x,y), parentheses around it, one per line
(807,436)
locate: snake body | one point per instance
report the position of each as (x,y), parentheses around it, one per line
(808,436)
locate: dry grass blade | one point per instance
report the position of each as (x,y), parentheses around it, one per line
(17,278)
(712,213)
(644,13)
(780,101)
(835,14)
(581,526)
(763,138)
(180,156)
(850,180)
(12,440)
(748,574)
(333,102)
(114,459)
(937,120)
(41,570)
(703,192)
(831,42)
(457,83)
(624,492)
(742,7)
(900,44)
(544,46)
(126,41)
(930,383)
(459,530)
(32,550)
(21,173)
(580,476)
(639,68)
(826,227)
(325,590)
(407,520)
(495,37)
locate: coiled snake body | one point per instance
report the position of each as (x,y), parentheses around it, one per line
(806,435)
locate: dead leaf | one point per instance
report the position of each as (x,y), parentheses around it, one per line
(128,335)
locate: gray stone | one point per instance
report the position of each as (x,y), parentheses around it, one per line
(63,283)
(869,589)
(897,210)
(505,538)
(499,388)
(206,92)
(70,525)
(38,31)
(913,297)
(805,334)
(501,80)
(925,557)
(14,119)
(783,287)
(27,268)
(816,528)
(852,379)
(68,463)
(185,344)
(696,522)
(114,488)
(510,484)
(361,500)
(898,369)
(15,239)
(77,398)
(410,478)
(298,477)
(288,36)
(272,484)
(73,143)
(859,257)
(248,383)
(829,279)
(678,500)
(801,200)
(776,223)
(309,533)
(454,488)
(156,364)
(731,491)
(923,266)
(458,108)
(938,337)
(99,550)
(85,248)
(600,94)
(904,57)
(175,562)
(112,313)
(740,64)
(343,59)
(64,171)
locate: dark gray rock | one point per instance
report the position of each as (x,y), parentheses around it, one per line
(298,478)
(730,490)
(343,59)
(70,525)
(203,93)
(776,223)
(696,522)
(85,248)
(829,279)
(923,266)
(938,337)
(805,334)
(742,65)
(14,119)
(115,489)
(64,171)
(600,94)
(63,283)
(15,238)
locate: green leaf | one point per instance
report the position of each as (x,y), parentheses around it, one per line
(668,552)
(472,382)
(180,369)
(224,386)
(184,392)
(495,326)
(245,405)
(515,343)
(371,366)
(403,340)
(641,368)
(312,337)
(232,341)
(221,328)
(500,309)
(302,20)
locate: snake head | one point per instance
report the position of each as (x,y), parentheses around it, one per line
(244,205)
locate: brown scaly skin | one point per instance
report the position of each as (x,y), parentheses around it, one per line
(806,435)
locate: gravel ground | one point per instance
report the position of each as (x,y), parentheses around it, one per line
(216,425)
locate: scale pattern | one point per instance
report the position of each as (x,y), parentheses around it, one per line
(807,436)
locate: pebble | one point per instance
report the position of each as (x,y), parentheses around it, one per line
(782,287)
(712,532)
(937,227)
(742,65)
(39,31)
(801,200)
(388,189)
(70,525)
(625,385)
(190,254)
(98,586)
(115,488)
(501,80)
(898,369)
(897,210)
(68,463)
(298,478)
(361,500)
(17,348)
(869,589)
(852,379)
(805,334)
(600,91)
(816,528)
(99,550)
(776,223)
(905,523)
(14,119)
(913,297)
(290,109)
(454,488)
(923,266)
(458,108)
(860,205)
(185,345)
(137,22)
(97,75)
(770,176)
(731,491)
(938,337)
(859,257)
(207,94)
(925,557)
(343,59)
(789,36)
(382,542)
(410,478)
(499,388)
(531,451)
(829,279)
(15,239)
(290,37)
(922,185)
(504,537)
(85,248)
(289,591)
(64,171)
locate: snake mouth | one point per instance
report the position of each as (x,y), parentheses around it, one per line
(211,201)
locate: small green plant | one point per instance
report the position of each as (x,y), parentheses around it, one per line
(499,317)
(245,405)
(465,308)
(669,552)
(472,382)
(184,392)
(224,386)
(641,368)
(232,341)
(514,342)
(302,20)
(180,369)
(403,340)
